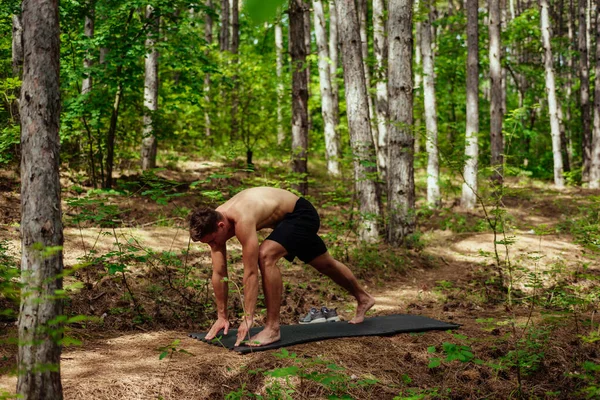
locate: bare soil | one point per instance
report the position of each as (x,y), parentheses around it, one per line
(452,278)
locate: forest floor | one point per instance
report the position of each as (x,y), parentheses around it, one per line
(132,271)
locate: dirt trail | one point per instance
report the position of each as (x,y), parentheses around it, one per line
(128,366)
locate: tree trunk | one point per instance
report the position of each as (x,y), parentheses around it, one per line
(332,146)
(401,180)
(584,93)
(359,125)
(418,77)
(381,103)
(333,64)
(299,95)
(86,87)
(595,153)
(149,144)
(112,131)
(307,44)
(41,227)
(551,92)
(363,11)
(496,111)
(234,48)
(431,144)
(224,32)
(17,45)
(569,88)
(208,36)
(469,187)
(280,87)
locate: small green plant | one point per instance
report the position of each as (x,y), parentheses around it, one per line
(590,376)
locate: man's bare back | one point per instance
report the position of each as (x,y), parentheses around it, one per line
(263,207)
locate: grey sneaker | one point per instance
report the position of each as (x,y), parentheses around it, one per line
(313,316)
(330,314)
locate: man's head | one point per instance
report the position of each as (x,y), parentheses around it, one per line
(204,221)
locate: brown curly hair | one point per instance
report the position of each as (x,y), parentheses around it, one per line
(203,221)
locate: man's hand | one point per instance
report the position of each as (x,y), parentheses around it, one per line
(244,329)
(220,323)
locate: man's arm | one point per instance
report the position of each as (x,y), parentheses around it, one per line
(246,234)
(220,286)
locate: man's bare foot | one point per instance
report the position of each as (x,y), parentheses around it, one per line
(264,337)
(364,305)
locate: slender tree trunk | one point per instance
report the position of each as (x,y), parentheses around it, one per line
(363,11)
(224,31)
(496,111)
(234,48)
(41,226)
(584,93)
(333,64)
(595,157)
(332,146)
(359,123)
(149,143)
(208,36)
(299,94)
(469,187)
(86,86)
(17,45)
(569,88)
(88,30)
(307,44)
(401,180)
(418,76)
(280,88)
(551,92)
(381,103)
(112,131)
(431,144)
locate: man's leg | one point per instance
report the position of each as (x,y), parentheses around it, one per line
(342,275)
(269,253)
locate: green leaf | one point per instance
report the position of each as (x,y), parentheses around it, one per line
(435,362)
(283,372)
(431,349)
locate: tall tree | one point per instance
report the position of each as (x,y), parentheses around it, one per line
(333,64)
(431,144)
(224,31)
(41,225)
(297,45)
(584,92)
(17,45)
(149,143)
(234,48)
(469,188)
(496,111)
(332,146)
(381,99)
(595,162)
(208,36)
(88,31)
(359,123)
(401,180)
(363,12)
(417,72)
(551,92)
(280,87)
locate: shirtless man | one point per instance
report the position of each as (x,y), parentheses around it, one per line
(295,224)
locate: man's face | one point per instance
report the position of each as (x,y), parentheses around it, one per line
(211,238)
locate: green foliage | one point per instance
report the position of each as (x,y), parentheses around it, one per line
(331,377)
(590,377)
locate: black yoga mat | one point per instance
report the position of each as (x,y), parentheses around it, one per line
(295,334)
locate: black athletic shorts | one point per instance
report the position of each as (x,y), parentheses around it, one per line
(297,233)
